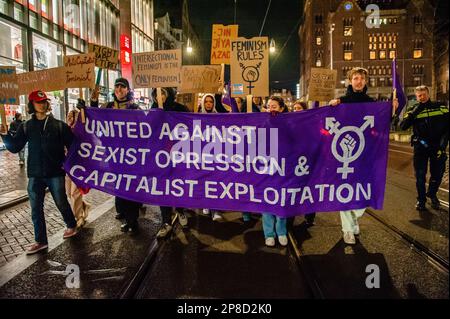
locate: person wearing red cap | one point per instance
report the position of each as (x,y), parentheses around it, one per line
(47,137)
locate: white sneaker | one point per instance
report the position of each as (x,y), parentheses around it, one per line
(205,211)
(349,238)
(270,241)
(283,240)
(182,218)
(217,216)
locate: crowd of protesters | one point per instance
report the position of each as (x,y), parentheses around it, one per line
(48,139)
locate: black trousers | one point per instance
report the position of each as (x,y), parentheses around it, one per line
(437,169)
(129,209)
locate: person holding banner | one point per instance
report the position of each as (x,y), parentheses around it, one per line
(430,139)
(275,225)
(356,93)
(298,107)
(13,128)
(75,194)
(123,99)
(47,137)
(169,104)
(208,105)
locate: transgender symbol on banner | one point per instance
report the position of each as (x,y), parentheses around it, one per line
(347,143)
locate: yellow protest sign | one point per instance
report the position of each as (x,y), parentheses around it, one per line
(222,35)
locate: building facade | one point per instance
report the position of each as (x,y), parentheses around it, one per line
(343,35)
(166,36)
(37,34)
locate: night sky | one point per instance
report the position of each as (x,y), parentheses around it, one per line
(282,19)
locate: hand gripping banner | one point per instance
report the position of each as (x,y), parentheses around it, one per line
(319,160)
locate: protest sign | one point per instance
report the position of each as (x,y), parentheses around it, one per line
(200,78)
(157,69)
(250,66)
(9,90)
(105,58)
(220,42)
(322,84)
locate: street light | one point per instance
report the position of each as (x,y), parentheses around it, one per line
(272,48)
(331,45)
(189,46)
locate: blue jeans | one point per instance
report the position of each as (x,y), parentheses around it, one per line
(274,225)
(36,193)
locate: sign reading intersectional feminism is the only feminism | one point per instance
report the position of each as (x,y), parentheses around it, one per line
(221,42)
(157,69)
(9,90)
(105,58)
(322,84)
(244,162)
(200,78)
(250,66)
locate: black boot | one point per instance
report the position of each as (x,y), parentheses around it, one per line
(420,206)
(124,227)
(133,227)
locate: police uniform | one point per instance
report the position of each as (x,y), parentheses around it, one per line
(430,139)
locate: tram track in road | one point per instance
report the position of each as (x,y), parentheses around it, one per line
(306,269)
(132,288)
(439,262)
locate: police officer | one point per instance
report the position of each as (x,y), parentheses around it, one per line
(430,139)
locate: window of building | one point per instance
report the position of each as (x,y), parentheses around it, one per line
(417,54)
(372,82)
(318,19)
(18,12)
(382,81)
(33,20)
(418,49)
(44,8)
(32,5)
(55,11)
(45,26)
(4,7)
(318,40)
(392,54)
(348,56)
(318,63)
(372,55)
(46,54)
(418,24)
(382,54)
(348,27)
(417,80)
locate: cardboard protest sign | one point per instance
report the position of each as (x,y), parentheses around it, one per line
(200,78)
(188,100)
(54,79)
(9,90)
(105,58)
(250,66)
(221,42)
(322,84)
(157,69)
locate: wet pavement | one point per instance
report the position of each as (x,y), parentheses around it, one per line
(228,259)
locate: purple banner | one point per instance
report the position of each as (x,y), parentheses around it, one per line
(326,159)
